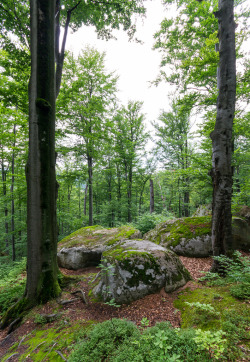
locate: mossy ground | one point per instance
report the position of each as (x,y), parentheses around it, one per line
(219,298)
(43,344)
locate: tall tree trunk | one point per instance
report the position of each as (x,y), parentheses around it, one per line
(119,193)
(152,197)
(90,173)
(129,193)
(42,270)
(6,224)
(12,197)
(222,135)
(85,199)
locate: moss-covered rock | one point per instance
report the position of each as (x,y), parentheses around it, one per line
(191,236)
(85,246)
(133,269)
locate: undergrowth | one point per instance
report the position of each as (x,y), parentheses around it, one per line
(12,283)
(120,340)
(236,274)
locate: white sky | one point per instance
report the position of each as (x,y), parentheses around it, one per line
(135,64)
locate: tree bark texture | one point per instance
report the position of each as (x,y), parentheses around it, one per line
(42,269)
(222,135)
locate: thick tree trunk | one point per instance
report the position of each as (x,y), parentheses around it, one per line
(42,269)
(222,135)
(152,197)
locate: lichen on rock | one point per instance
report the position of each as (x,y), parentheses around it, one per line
(85,246)
(135,268)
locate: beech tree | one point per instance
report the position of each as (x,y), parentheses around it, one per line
(130,139)
(42,271)
(85,103)
(222,135)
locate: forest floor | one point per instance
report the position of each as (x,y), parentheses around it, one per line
(155,307)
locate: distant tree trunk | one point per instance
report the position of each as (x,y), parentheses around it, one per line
(12,197)
(186,201)
(6,224)
(163,198)
(152,205)
(90,173)
(129,193)
(85,199)
(222,135)
(141,195)
(119,193)
(42,270)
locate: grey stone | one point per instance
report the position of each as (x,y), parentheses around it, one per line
(84,247)
(137,268)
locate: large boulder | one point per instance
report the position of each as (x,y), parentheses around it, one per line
(191,236)
(85,246)
(241,228)
(134,268)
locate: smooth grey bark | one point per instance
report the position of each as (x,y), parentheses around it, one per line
(222,135)
(42,270)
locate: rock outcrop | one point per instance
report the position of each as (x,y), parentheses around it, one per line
(191,236)
(85,246)
(135,268)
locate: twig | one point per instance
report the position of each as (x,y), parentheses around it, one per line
(23,339)
(63,302)
(50,317)
(83,296)
(14,354)
(49,352)
(61,355)
(97,275)
(13,324)
(38,346)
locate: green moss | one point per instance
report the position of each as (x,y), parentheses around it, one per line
(76,238)
(218,297)
(129,261)
(88,236)
(190,227)
(41,345)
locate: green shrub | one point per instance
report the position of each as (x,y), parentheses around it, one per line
(103,340)
(120,340)
(149,221)
(236,271)
(241,291)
